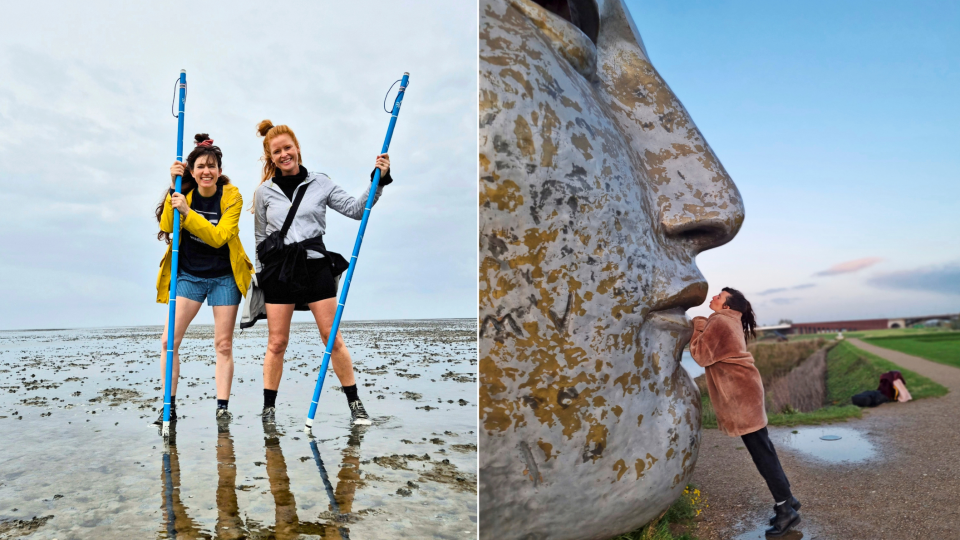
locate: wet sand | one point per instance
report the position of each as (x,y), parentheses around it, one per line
(79,457)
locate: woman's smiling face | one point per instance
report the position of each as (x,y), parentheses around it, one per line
(205,171)
(285,154)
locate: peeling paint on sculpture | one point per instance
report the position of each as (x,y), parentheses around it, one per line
(597,191)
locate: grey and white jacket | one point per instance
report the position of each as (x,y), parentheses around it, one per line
(270,210)
(271,207)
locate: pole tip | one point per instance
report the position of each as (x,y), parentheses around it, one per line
(183,71)
(407,73)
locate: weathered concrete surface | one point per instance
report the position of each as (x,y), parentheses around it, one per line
(596,193)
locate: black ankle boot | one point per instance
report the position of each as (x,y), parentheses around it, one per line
(786,518)
(792,501)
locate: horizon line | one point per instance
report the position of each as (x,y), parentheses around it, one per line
(211,324)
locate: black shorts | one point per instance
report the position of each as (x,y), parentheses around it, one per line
(318,285)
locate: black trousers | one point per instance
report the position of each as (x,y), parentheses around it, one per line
(765,458)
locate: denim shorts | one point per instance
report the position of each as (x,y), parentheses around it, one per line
(219,291)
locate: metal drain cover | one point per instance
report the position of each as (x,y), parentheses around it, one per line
(831,438)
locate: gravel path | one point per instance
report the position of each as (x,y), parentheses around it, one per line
(909,489)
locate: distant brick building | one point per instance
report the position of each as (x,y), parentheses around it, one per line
(860,325)
(840,326)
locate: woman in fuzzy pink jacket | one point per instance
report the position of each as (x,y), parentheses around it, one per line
(719,344)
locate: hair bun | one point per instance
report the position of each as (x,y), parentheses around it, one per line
(200,137)
(263,127)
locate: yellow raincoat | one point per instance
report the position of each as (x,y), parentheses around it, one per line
(227,231)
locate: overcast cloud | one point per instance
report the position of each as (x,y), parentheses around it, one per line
(936,279)
(86,139)
(849,266)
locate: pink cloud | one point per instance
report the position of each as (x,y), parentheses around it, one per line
(849,266)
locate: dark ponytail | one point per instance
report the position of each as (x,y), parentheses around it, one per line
(738,302)
(188,183)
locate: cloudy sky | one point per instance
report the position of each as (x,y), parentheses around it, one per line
(87,138)
(838,121)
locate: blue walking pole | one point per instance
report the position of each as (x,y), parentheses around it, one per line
(332,337)
(175,245)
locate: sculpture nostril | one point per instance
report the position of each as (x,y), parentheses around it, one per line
(701,234)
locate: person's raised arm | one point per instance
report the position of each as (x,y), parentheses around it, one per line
(353,208)
(702,347)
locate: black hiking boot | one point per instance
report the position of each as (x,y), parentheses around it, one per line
(269,416)
(359,414)
(785,519)
(173,417)
(792,501)
(223,420)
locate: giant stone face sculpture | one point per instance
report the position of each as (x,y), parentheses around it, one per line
(597,191)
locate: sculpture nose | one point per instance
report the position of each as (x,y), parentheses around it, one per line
(704,209)
(697,203)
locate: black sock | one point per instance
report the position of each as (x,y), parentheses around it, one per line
(222,403)
(351,392)
(269,398)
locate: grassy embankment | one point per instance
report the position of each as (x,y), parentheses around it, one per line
(942,347)
(849,372)
(675,524)
(870,334)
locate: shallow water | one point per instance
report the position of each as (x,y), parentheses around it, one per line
(852,447)
(77,443)
(759,533)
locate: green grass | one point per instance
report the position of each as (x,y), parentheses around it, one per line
(671,525)
(849,372)
(870,334)
(942,347)
(826,415)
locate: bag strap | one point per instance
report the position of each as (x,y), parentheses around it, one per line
(293,211)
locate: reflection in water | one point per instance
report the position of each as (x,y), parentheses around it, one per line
(759,534)
(852,446)
(230,526)
(178,523)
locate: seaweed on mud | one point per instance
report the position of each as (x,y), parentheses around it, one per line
(445,472)
(15,528)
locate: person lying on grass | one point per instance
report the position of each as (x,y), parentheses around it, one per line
(719,344)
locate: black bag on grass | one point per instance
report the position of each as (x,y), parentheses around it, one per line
(870,398)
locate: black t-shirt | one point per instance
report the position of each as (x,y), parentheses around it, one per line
(198,258)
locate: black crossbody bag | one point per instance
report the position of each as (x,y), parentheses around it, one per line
(287,261)
(272,246)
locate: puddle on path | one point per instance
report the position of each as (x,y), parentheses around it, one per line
(852,447)
(77,444)
(754,534)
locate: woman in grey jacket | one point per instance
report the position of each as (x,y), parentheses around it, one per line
(307,276)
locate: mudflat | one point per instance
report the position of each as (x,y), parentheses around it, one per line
(79,457)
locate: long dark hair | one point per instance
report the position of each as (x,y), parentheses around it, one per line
(188,183)
(738,302)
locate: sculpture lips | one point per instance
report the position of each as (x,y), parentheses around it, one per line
(690,296)
(670,319)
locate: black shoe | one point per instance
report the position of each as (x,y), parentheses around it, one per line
(359,414)
(173,417)
(786,518)
(223,420)
(269,415)
(792,501)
